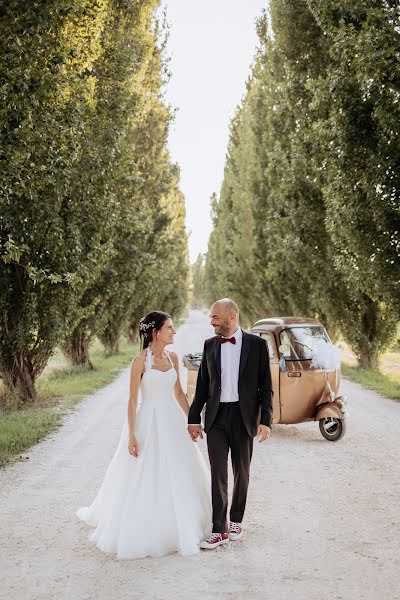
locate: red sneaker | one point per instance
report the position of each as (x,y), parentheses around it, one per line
(214,540)
(235,531)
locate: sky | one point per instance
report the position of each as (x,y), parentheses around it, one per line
(211,46)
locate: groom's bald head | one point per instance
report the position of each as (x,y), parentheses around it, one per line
(224,316)
(228,305)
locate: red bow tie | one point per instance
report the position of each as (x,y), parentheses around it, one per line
(223,340)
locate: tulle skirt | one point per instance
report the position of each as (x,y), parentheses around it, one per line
(160,502)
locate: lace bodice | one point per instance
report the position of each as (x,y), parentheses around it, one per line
(157,385)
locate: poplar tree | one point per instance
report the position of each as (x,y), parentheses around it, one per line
(114,169)
(144,183)
(359,137)
(197,279)
(48,52)
(301,185)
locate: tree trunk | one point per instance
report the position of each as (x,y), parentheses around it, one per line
(20,379)
(368,358)
(110,340)
(368,355)
(329,325)
(76,349)
(133,333)
(111,347)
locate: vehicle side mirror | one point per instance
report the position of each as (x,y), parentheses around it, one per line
(282,364)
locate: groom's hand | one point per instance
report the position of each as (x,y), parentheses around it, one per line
(263,433)
(195,431)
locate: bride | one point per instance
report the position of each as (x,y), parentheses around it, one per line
(155,496)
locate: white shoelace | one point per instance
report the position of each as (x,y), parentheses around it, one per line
(234,527)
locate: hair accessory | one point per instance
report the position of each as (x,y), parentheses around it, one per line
(145,326)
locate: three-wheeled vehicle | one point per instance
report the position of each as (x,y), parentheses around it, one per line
(303,390)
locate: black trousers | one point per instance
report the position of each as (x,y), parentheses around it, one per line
(229,433)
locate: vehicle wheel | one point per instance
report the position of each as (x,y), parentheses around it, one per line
(332,429)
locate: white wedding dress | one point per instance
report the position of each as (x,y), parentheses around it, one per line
(159,502)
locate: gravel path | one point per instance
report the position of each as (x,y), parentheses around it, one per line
(322,518)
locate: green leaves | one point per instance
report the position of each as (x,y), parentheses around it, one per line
(85,175)
(360,137)
(13,251)
(308,218)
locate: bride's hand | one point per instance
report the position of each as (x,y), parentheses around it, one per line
(195,431)
(133,446)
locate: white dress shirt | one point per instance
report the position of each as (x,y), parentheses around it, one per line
(230,360)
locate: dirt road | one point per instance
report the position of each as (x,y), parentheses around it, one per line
(322,519)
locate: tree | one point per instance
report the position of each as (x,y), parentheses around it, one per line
(197,273)
(289,168)
(230,267)
(48,54)
(139,174)
(359,137)
(110,169)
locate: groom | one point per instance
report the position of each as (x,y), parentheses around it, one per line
(234,382)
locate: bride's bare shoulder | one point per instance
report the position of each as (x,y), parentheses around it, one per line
(139,359)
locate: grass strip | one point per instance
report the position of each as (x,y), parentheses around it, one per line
(58,391)
(20,430)
(74,383)
(373,380)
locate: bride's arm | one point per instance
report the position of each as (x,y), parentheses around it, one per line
(136,375)
(180,395)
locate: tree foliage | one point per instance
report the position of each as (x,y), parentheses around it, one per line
(197,299)
(307,219)
(48,53)
(89,197)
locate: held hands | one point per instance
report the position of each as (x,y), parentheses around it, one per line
(133,446)
(195,431)
(263,433)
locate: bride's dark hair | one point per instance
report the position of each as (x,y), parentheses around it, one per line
(153,321)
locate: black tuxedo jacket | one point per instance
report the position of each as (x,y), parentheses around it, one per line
(255,389)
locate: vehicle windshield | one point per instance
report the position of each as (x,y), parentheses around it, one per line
(299,342)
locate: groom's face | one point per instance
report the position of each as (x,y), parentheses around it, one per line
(220,319)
